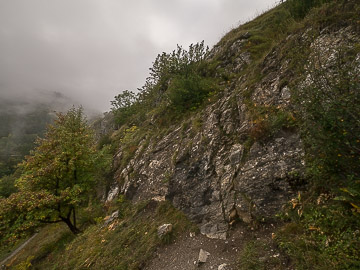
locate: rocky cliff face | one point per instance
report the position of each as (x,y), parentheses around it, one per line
(225,164)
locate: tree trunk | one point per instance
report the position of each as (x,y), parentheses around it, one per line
(71,226)
(74,218)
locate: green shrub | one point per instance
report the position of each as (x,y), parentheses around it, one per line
(188,92)
(123,107)
(328,112)
(249,258)
(323,235)
(178,82)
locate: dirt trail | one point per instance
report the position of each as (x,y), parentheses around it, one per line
(183,253)
(16,251)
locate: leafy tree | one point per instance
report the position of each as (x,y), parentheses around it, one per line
(180,63)
(123,106)
(57,177)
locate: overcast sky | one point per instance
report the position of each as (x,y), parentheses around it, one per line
(91,50)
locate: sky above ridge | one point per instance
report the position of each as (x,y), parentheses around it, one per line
(91,50)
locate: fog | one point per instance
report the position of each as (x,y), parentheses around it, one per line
(91,50)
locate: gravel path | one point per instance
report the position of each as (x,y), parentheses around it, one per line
(183,253)
(16,251)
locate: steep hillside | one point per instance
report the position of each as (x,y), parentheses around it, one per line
(242,155)
(254,142)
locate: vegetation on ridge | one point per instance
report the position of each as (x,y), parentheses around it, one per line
(178,82)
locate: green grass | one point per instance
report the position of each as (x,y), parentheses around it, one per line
(265,32)
(260,254)
(5,250)
(51,239)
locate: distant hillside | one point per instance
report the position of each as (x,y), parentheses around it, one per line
(21,121)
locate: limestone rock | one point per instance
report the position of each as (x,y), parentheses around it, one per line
(214,231)
(111,218)
(114,191)
(203,256)
(164,230)
(223,266)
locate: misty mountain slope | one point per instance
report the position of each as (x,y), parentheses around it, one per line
(22,120)
(19,126)
(258,164)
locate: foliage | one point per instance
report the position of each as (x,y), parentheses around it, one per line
(178,82)
(261,254)
(26,265)
(323,229)
(268,120)
(20,212)
(321,235)
(187,92)
(249,258)
(130,142)
(328,107)
(57,177)
(168,65)
(123,106)
(50,239)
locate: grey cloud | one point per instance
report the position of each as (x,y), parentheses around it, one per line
(90,50)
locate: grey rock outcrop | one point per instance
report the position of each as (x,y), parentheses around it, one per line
(210,166)
(207,172)
(208,169)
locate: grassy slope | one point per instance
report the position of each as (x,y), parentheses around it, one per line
(124,244)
